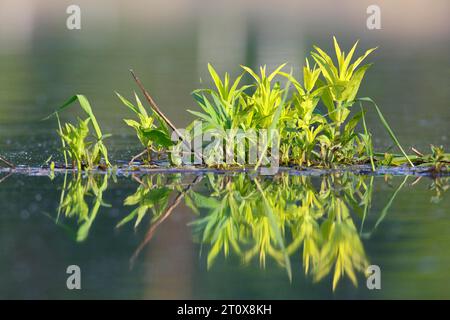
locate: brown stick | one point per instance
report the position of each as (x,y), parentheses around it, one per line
(159,112)
(420,154)
(153,104)
(9,164)
(137,156)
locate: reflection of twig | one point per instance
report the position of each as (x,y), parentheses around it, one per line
(367,205)
(136,178)
(6,177)
(416,181)
(150,233)
(9,164)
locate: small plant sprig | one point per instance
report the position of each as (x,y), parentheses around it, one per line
(152,130)
(85,151)
(308,136)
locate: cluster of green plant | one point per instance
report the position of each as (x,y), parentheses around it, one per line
(84,150)
(152,131)
(317,120)
(309,135)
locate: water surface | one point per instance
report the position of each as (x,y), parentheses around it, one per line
(224,236)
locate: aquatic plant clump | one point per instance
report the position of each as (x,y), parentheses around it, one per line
(305,123)
(84,151)
(318,121)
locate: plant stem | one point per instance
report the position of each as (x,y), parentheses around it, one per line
(369,145)
(387,127)
(62,140)
(137,156)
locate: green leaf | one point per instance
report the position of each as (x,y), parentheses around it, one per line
(158,137)
(387,127)
(277,71)
(326,97)
(128,104)
(369,146)
(216,78)
(132,123)
(351,90)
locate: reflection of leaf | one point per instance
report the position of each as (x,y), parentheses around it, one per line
(386,208)
(146,199)
(276,229)
(74,205)
(277,217)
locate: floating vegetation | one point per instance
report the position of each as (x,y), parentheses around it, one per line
(153,135)
(308,123)
(84,151)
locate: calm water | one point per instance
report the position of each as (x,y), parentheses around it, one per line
(264,226)
(166,236)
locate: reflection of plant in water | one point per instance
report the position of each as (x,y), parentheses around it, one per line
(276,217)
(341,245)
(230,202)
(439,186)
(74,204)
(151,196)
(316,220)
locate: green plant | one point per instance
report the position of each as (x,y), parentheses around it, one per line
(438,159)
(305,131)
(74,138)
(151,130)
(85,151)
(228,108)
(343,80)
(303,126)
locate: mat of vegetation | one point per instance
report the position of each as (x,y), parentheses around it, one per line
(318,118)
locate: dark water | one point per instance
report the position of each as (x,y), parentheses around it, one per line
(223,236)
(406,235)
